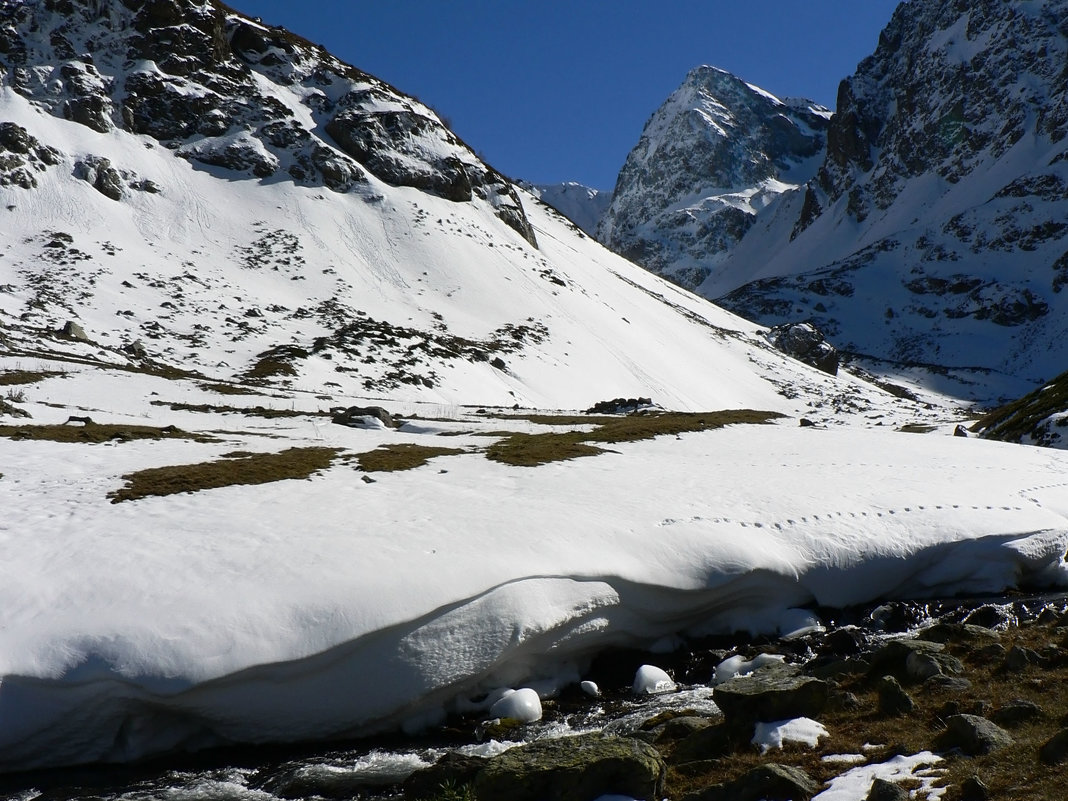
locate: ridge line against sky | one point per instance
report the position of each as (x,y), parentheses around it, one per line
(557,91)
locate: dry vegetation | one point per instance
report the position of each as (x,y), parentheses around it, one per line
(1010,773)
(528,450)
(401,456)
(261,468)
(98,432)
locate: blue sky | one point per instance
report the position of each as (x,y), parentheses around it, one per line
(557,90)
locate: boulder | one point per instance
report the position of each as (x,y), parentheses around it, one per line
(98,172)
(355,416)
(453,769)
(573,769)
(770,782)
(1016,713)
(806,343)
(1055,750)
(973,789)
(774,692)
(893,700)
(882,790)
(973,735)
(913,660)
(71,330)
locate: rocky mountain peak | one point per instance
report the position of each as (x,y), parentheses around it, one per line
(713,154)
(226,91)
(935,231)
(925,101)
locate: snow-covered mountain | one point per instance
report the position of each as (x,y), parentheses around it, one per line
(937,228)
(709,159)
(583,205)
(189,188)
(215,234)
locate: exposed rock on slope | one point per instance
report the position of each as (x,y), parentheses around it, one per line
(225,91)
(709,159)
(937,227)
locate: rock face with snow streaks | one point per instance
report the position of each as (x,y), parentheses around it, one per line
(936,229)
(709,159)
(225,91)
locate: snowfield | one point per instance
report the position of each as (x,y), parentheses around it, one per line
(333,606)
(139,288)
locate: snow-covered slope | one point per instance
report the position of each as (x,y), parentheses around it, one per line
(244,234)
(583,205)
(247,207)
(936,228)
(713,155)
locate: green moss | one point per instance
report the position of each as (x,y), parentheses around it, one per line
(401,456)
(262,468)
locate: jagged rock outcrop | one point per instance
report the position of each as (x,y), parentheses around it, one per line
(192,75)
(936,229)
(715,153)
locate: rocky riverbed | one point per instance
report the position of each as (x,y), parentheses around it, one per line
(952,701)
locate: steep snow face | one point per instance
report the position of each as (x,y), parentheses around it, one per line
(718,151)
(937,228)
(583,205)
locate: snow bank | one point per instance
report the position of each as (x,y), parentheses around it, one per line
(330,607)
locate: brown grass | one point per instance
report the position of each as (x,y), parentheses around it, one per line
(401,456)
(261,468)
(528,450)
(98,432)
(1010,773)
(12,377)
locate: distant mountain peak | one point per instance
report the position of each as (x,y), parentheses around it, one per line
(709,158)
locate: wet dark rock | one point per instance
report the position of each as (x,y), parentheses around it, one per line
(775,692)
(453,769)
(769,782)
(973,735)
(806,343)
(573,769)
(893,700)
(990,616)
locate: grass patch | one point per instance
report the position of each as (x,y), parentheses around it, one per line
(12,377)
(263,468)
(1025,416)
(98,432)
(529,450)
(402,456)
(250,411)
(229,389)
